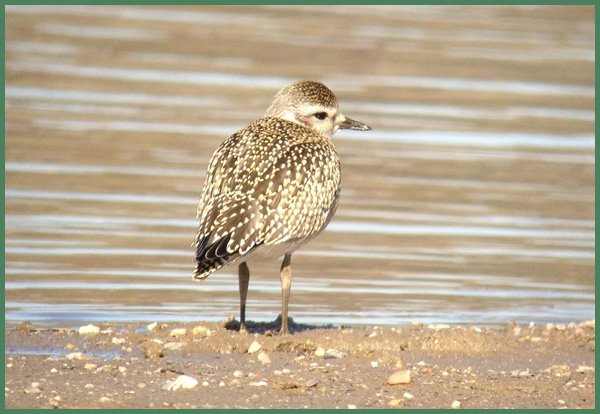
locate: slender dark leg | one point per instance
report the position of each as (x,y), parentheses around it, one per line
(244,275)
(286,284)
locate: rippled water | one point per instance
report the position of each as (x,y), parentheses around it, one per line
(471,201)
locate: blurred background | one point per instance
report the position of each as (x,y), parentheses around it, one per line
(470,202)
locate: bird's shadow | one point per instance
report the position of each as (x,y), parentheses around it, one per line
(273,327)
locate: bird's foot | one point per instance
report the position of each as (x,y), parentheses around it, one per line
(284,326)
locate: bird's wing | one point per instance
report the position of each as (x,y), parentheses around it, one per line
(304,191)
(262,187)
(230,214)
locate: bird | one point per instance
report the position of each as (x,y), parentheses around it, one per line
(271,187)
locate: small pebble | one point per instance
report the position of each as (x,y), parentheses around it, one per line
(536,339)
(118,341)
(25,328)
(263,358)
(416,323)
(583,369)
(55,401)
(90,367)
(174,346)
(76,356)
(238,374)
(54,370)
(399,377)
(395,403)
(455,404)
(221,384)
(559,370)
(374,364)
(320,352)
(89,330)
(522,374)
(205,384)
(201,331)
(111,368)
(334,354)
(408,396)
(286,370)
(153,349)
(258,384)
(104,400)
(152,326)
(178,332)
(88,386)
(32,390)
(351,407)
(183,381)
(311,383)
(254,347)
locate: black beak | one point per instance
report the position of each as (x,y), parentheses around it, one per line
(349,123)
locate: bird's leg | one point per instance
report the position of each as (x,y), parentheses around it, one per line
(286,284)
(244,276)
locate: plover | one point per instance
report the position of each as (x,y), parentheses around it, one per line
(272,187)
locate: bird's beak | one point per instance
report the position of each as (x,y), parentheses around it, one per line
(344,122)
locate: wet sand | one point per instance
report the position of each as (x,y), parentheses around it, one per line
(132,366)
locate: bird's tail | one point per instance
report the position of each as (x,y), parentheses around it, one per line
(210,258)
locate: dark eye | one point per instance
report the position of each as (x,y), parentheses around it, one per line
(320,115)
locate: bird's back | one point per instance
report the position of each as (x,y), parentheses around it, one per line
(273,183)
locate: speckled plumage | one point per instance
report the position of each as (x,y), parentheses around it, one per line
(273,185)
(264,190)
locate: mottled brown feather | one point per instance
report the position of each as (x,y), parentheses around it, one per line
(271,182)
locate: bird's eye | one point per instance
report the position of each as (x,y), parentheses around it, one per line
(320,115)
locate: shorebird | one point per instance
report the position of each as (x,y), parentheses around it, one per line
(272,187)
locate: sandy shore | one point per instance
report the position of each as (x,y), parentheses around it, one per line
(116,366)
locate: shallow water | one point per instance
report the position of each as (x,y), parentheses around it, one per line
(472,201)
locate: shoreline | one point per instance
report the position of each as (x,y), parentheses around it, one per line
(149,366)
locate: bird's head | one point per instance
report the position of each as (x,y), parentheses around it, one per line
(314,106)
